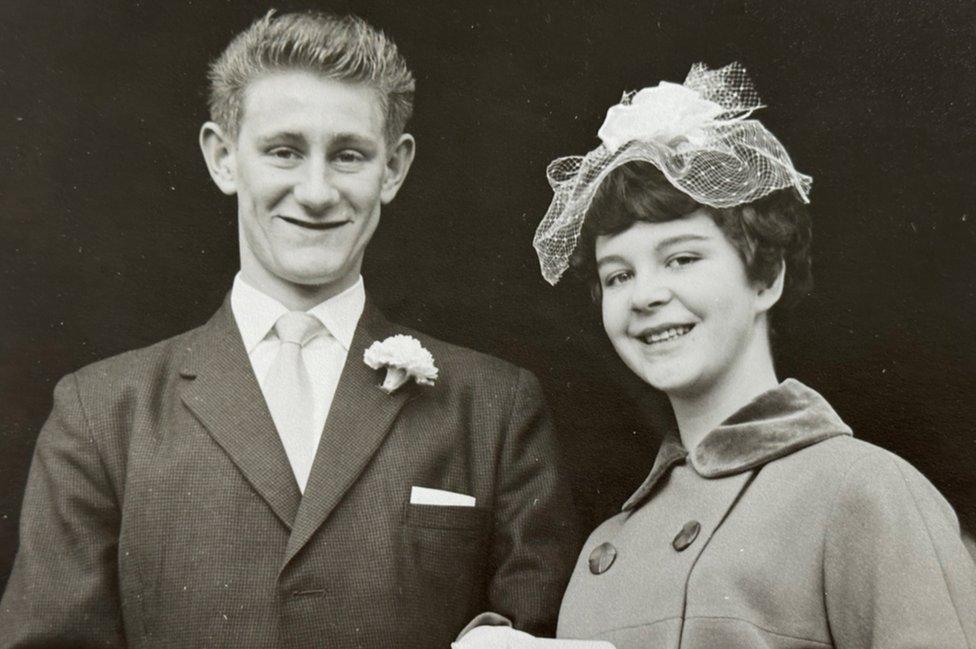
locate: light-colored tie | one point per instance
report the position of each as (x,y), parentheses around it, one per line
(289,392)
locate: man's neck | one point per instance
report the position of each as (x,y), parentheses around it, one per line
(296,297)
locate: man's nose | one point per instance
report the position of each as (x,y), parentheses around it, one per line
(650,291)
(315,191)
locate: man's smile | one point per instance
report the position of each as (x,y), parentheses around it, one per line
(315,225)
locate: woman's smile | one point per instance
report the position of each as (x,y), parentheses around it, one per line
(659,337)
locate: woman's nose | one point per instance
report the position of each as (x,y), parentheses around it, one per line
(315,192)
(649,292)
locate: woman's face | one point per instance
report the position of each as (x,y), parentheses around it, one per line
(677,304)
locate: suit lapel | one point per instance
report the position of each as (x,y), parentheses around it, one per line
(222,392)
(358,421)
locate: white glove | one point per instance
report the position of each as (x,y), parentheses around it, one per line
(494,637)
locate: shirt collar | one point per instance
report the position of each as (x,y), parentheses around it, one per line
(778,422)
(340,314)
(256,312)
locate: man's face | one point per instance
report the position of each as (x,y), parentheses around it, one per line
(310,168)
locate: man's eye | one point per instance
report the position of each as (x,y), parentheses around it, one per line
(619,277)
(284,153)
(679,261)
(349,157)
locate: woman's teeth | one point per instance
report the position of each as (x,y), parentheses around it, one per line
(667,334)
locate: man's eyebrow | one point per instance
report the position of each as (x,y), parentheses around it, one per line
(281,136)
(344,139)
(338,140)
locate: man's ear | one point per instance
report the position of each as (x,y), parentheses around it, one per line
(397,165)
(218,152)
(768,296)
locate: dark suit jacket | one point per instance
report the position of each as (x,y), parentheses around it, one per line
(161,510)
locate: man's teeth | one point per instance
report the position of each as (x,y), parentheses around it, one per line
(667,334)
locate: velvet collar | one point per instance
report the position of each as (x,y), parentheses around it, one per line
(781,421)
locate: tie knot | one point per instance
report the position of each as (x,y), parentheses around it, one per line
(297,327)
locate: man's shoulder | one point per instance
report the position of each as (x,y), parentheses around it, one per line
(140,364)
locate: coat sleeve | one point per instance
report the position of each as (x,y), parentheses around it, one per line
(535,533)
(63,590)
(897,575)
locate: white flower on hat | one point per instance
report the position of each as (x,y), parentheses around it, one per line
(700,135)
(404,358)
(669,114)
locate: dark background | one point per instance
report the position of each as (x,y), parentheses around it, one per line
(113,236)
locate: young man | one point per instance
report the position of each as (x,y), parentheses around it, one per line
(249,483)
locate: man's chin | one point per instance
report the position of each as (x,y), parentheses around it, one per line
(301,281)
(319,280)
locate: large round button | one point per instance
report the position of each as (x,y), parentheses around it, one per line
(602,558)
(686,536)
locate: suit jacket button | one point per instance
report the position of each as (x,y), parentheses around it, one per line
(686,536)
(602,558)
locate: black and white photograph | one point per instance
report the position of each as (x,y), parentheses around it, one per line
(487,325)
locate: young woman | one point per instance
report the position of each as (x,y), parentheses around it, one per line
(763,522)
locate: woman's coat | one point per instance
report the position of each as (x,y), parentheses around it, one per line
(779,530)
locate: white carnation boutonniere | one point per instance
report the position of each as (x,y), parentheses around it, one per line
(669,114)
(404,358)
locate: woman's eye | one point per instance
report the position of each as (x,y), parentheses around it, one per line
(614,279)
(679,261)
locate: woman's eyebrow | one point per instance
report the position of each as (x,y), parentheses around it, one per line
(609,259)
(660,245)
(678,239)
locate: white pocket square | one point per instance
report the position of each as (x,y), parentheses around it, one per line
(428,496)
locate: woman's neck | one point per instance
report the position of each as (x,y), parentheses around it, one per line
(700,413)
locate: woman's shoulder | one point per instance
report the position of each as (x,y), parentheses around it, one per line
(850,461)
(890,539)
(870,483)
(845,455)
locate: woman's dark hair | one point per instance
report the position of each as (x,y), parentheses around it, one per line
(765,232)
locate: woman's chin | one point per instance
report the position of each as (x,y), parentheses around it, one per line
(674,382)
(681,381)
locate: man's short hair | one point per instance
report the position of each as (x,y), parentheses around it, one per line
(345,48)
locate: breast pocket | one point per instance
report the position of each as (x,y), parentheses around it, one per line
(441,543)
(441,517)
(444,567)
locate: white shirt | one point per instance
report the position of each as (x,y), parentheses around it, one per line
(324,356)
